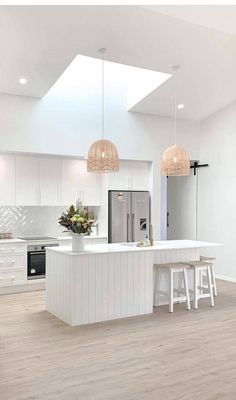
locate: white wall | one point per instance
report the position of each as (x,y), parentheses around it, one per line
(67,120)
(217,187)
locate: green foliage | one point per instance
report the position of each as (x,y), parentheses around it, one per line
(76,220)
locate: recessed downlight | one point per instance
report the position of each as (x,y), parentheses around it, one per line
(180,106)
(23,81)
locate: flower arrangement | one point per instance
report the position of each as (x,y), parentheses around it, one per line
(76,220)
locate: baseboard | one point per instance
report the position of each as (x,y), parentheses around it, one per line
(226,278)
(29,286)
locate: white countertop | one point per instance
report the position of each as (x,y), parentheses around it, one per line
(131,247)
(15,240)
(52,239)
(68,237)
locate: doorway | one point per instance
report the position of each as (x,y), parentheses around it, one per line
(179,206)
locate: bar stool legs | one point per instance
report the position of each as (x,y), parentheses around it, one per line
(211,260)
(200,291)
(210,285)
(182,293)
(186,289)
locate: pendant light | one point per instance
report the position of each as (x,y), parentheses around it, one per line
(175,160)
(103,155)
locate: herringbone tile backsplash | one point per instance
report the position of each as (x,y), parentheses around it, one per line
(30,221)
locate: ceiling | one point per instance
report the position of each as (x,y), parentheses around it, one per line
(43,40)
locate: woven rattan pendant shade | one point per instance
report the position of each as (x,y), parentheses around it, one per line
(103,157)
(175,162)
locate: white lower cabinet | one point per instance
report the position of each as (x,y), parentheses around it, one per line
(13,263)
(14,275)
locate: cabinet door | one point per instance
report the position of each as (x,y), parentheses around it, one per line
(120,180)
(90,185)
(27,181)
(133,175)
(7,180)
(70,188)
(139,172)
(49,172)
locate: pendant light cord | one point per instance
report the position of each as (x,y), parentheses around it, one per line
(103,62)
(175,105)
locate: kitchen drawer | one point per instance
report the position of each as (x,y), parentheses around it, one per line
(12,248)
(11,276)
(10,261)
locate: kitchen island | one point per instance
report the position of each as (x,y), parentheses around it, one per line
(109,281)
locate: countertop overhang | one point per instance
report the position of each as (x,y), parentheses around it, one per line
(131,247)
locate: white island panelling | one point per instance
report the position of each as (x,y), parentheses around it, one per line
(108,281)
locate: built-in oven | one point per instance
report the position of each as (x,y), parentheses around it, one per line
(37,260)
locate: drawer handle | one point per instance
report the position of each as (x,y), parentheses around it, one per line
(7,262)
(7,279)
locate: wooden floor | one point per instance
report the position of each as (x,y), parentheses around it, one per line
(187,355)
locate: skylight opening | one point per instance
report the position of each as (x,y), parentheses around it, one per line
(83,75)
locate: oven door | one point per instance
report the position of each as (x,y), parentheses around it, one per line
(36,264)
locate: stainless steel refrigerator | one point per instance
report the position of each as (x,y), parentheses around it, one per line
(128,216)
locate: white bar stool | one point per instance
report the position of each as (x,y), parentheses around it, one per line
(199,290)
(182,294)
(211,260)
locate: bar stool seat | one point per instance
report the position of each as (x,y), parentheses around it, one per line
(182,294)
(200,291)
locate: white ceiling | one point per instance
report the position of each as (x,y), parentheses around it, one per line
(219,17)
(39,42)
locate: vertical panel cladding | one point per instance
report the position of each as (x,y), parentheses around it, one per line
(58,286)
(105,283)
(92,278)
(85,285)
(112,284)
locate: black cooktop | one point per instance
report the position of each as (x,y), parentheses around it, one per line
(37,238)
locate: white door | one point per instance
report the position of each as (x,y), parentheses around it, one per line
(49,171)
(182,207)
(7,180)
(27,181)
(70,189)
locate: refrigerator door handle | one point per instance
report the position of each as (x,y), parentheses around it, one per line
(127,227)
(132,227)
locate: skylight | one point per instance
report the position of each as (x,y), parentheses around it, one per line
(83,76)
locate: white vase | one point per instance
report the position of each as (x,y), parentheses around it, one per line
(77,242)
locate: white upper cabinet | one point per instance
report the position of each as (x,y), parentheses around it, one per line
(7,180)
(76,183)
(49,177)
(90,185)
(133,175)
(140,174)
(70,189)
(27,181)
(51,181)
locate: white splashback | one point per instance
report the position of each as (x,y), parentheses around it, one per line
(30,221)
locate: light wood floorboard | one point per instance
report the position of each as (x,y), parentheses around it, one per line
(187,355)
